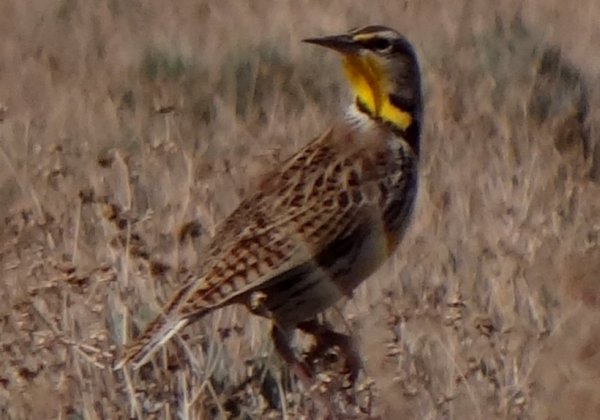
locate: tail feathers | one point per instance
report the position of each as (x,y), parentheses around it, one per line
(152,339)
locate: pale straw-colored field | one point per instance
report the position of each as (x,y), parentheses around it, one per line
(129,129)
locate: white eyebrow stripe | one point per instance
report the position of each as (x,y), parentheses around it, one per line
(370,35)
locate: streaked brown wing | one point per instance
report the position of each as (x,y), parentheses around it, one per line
(314,200)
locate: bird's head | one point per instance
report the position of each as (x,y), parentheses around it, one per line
(382,68)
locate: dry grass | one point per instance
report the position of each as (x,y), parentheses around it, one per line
(129,129)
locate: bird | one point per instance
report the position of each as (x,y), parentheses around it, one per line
(324,219)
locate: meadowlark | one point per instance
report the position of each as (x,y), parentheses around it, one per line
(326,218)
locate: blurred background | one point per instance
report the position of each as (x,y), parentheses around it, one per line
(129,129)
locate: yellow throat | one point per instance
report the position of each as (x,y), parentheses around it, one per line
(372,86)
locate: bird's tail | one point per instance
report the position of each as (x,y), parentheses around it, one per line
(154,336)
(174,317)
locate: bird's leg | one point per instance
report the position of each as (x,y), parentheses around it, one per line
(326,338)
(281,340)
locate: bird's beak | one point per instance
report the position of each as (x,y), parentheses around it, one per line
(341,43)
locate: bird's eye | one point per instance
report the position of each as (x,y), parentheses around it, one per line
(379,44)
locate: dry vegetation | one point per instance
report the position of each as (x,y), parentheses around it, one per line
(128,129)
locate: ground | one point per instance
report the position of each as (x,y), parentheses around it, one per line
(128,130)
